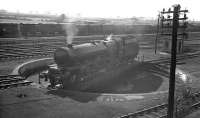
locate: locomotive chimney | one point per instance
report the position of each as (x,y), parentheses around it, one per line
(69,45)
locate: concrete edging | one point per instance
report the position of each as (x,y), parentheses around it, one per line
(31,67)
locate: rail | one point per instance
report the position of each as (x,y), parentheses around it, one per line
(8,81)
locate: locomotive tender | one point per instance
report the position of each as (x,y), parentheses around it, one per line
(81,66)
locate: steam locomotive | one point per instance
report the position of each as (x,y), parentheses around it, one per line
(82,66)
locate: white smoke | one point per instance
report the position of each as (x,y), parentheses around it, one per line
(71,30)
(183,76)
(108,38)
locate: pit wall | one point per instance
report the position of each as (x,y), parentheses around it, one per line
(36,66)
(32,67)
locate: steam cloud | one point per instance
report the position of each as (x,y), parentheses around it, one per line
(71,30)
(109,37)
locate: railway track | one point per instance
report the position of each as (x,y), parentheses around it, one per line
(13,49)
(166,61)
(160,111)
(8,81)
(19,50)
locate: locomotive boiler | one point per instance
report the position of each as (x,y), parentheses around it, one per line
(82,66)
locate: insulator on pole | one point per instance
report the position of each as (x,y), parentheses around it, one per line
(169,9)
(163,9)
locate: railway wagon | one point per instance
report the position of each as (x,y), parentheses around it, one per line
(14,30)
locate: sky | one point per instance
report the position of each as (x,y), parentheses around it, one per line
(100,8)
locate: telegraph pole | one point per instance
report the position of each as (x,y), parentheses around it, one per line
(172,23)
(158,22)
(164,30)
(175,25)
